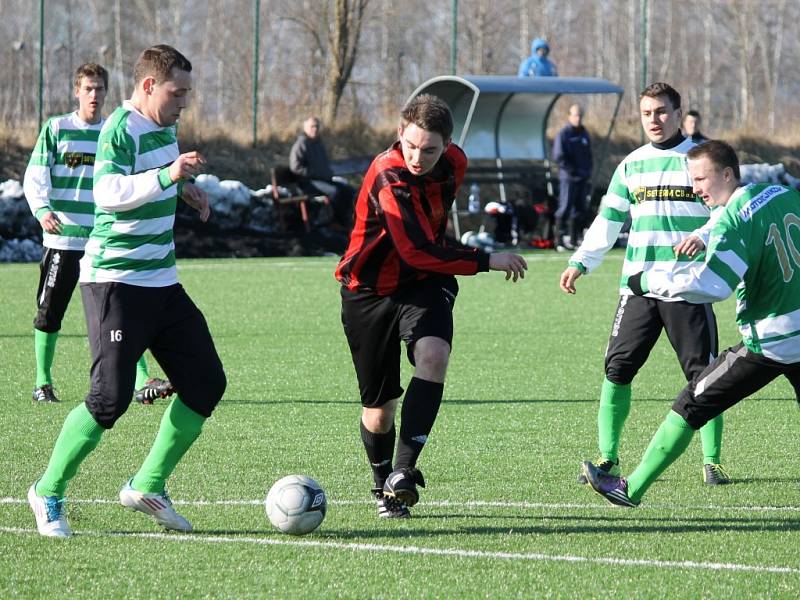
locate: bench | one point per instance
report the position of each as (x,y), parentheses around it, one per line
(281,176)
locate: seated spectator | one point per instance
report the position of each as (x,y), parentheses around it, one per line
(691,127)
(537,64)
(309,160)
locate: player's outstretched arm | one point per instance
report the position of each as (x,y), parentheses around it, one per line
(513,264)
(568,278)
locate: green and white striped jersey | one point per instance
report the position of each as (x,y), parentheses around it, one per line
(755,249)
(135,203)
(653,185)
(59,178)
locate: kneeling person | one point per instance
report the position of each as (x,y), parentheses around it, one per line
(132,298)
(398,283)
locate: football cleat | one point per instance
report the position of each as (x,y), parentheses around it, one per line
(715,474)
(611,487)
(50,514)
(153,388)
(158,506)
(390,508)
(44,394)
(604,464)
(402,485)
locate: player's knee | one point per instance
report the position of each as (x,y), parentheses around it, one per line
(432,355)
(620,374)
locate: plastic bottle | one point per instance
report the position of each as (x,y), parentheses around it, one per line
(474,204)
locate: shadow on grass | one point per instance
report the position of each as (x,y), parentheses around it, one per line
(467,401)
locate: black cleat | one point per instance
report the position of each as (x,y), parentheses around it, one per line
(611,487)
(402,485)
(153,388)
(604,464)
(715,474)
(390,508)
(44,394)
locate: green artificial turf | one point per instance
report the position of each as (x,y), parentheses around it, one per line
(502,516)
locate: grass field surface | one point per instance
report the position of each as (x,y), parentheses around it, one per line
(503,515)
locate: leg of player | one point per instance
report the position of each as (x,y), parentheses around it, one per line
(420,407)
(378,436)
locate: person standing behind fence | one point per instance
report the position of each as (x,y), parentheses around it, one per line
(309,160)
(572,152)
(537,64)
(691,127)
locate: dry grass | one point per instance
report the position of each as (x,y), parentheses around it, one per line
(231,155)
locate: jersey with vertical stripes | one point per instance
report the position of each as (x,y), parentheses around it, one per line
(754,249)
(651,184)
(400,222)
(59,178)
(135,203)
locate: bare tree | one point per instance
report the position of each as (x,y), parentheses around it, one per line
(343,37)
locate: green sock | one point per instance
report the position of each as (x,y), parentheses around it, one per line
(179,428)
(711,440)
(669,442)
(615,405)
(79,435)
(141,373)
(44,345)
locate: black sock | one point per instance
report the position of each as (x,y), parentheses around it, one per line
(420,407)
(379,447)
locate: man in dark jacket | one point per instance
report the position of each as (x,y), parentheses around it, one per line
(309,160)
(572,152)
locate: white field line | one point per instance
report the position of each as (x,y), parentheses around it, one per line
(420,550)
(456,504)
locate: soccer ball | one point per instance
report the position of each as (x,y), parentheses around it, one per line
(296,504)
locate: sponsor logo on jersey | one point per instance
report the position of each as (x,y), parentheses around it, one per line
(664,193)
(77,159)
(757,203)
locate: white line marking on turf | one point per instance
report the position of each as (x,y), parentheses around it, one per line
(451,503)
(460,553)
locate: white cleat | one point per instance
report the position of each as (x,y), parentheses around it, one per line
(158,506)
(51,516)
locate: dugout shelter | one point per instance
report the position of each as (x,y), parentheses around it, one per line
(502,120)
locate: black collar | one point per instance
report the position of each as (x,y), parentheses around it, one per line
(675,140)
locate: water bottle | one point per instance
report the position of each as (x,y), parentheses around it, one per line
(474,204)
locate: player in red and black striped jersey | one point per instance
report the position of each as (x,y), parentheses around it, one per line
(398,283)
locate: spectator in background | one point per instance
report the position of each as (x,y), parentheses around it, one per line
(309,160)
(691,127)
(537,64)
(572,152)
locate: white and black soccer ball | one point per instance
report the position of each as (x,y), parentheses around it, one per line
(296,504)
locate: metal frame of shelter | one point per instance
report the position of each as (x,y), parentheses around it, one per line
(505,117)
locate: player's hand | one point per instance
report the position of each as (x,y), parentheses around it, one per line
(50,222)
(187,166)
(568,278)
(513,264)
(197,199)
(690,246)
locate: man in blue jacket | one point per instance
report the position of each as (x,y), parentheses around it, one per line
(537,64)
(572,152)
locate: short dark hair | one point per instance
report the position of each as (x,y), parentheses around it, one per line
(718,152)
(654,90)
(430,113)
(692,113)
(90,70)
(159,61)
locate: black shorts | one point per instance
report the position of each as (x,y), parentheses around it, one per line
(375,325)
(736,374)
(123,321)
(58,276)
(691,329)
